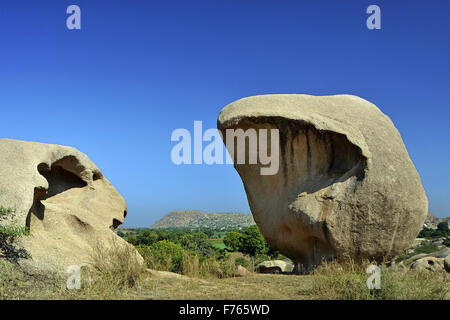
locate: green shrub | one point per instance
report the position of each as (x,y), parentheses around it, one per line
(442,226)
(9,233)
(163,255)
(441,231)
(241,261)
(6,213)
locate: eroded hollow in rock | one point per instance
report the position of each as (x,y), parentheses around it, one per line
(60,178)
(310,159)
(292,206)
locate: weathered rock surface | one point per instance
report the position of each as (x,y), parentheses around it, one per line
(429,264)
(447,264)
(441,254)
(274,266)
(432,221)
(346,186)
(63,197)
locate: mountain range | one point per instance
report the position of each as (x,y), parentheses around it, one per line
(199,219)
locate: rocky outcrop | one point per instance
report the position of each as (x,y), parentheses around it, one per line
(274,266)
(428,264)
(345,187)
(432,221)
(64,199)
(440,254)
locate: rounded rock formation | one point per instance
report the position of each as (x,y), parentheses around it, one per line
(428,264)
(64,199)
(345,187)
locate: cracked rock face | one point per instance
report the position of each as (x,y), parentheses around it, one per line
(61,195)
(345,187)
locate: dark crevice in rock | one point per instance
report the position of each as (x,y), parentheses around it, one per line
(343,157)
(115,224)
(308,151)
(37,208)
(96,176)
(60,180)
(60,177)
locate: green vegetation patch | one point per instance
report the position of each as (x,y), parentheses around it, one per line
(9,233)
(348,281)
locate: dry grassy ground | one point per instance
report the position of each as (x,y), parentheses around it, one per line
(256,286)
(114,273)
(157,285)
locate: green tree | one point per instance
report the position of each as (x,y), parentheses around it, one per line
(197,242)
(209,232)
(253,242)
(147,237)
(443,226)
(271,252)
(120,234)
(232,239)
(163,235)
(163,253)
(249,242)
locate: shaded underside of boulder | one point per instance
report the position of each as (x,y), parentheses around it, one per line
(345,187)
(64,199)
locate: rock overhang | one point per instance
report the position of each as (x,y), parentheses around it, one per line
(363,130)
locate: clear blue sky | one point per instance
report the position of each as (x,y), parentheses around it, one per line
(137,70)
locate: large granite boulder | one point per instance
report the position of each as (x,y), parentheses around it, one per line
(345,187)
(64,199)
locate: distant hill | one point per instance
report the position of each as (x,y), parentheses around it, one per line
(432,221)
(198,219)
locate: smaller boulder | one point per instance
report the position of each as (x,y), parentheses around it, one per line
(274,266)
(438,242)
(429,264)
(417,242)
(416,257)
(241,272)
(443,253)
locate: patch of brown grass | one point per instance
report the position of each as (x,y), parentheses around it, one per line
(116,263)
(348,281)
(114,275)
